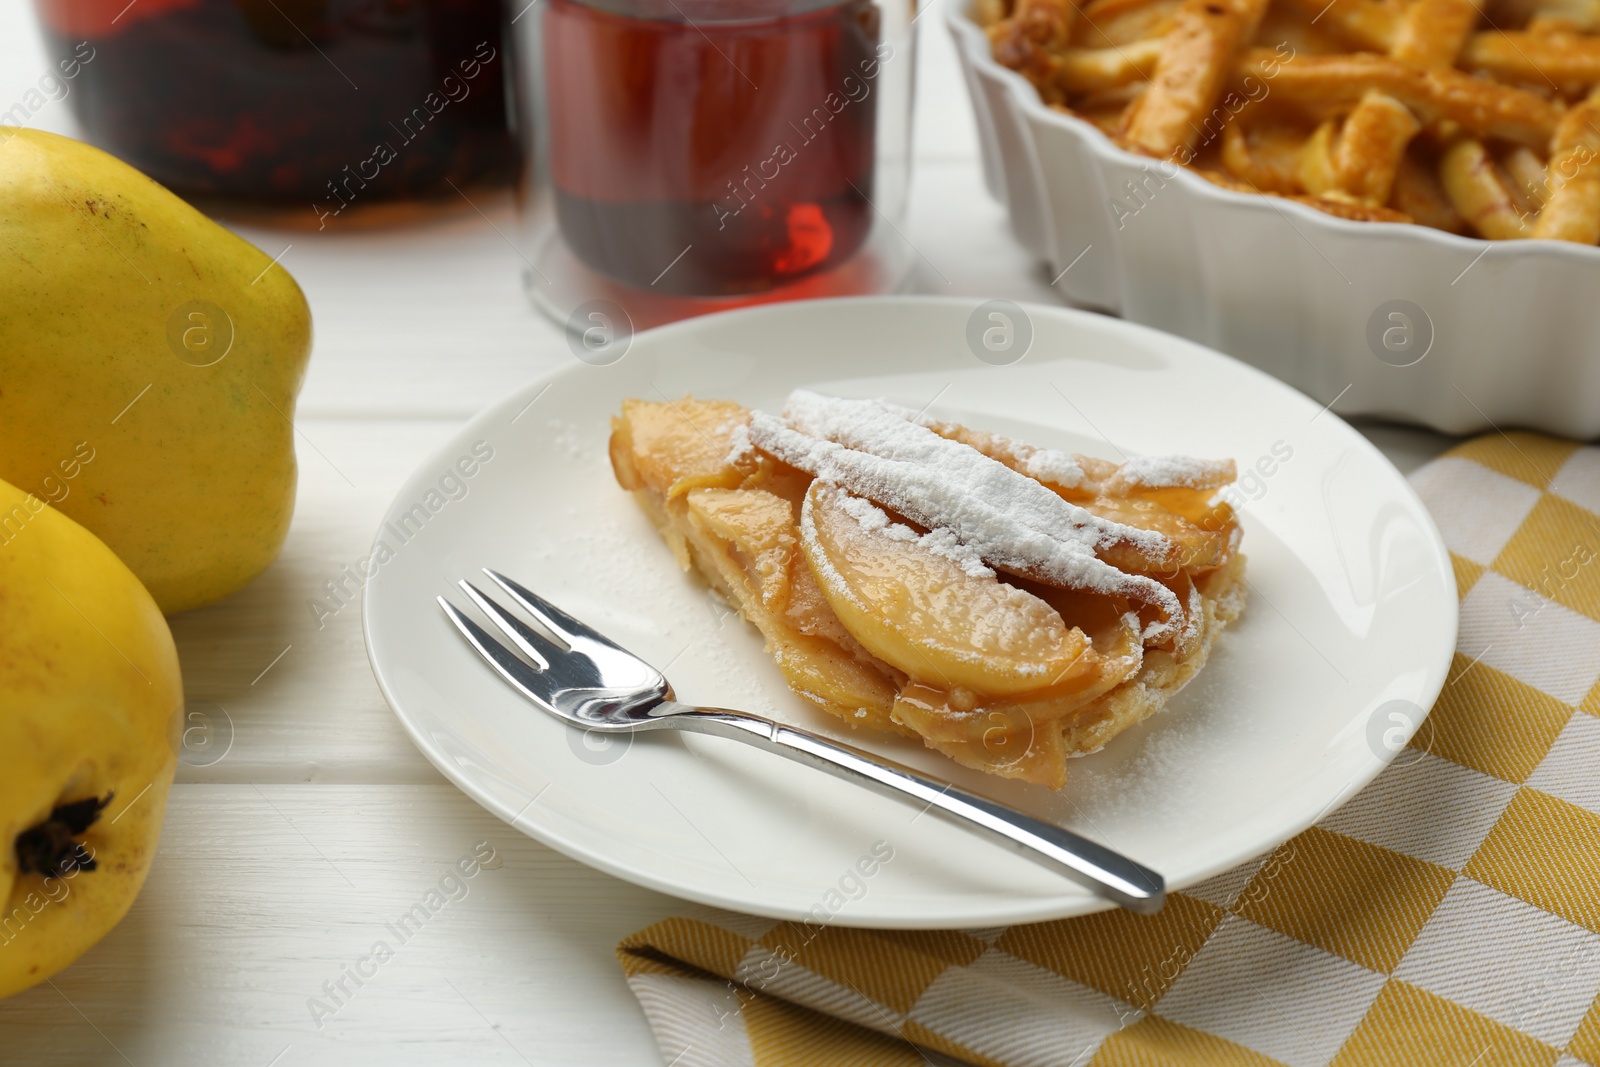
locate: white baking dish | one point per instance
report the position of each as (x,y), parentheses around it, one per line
(1376,318)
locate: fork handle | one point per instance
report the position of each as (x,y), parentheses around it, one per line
(1108,873)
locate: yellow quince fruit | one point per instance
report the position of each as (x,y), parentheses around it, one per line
(138,332)
(90,705)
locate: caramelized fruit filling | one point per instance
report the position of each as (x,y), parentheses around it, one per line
(1011,606)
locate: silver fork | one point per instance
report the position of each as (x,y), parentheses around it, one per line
(591,682)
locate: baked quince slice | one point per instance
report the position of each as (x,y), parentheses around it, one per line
(1031,735)
(926,606)
(1197,548)
(743,541)
(755,532)
(669,449)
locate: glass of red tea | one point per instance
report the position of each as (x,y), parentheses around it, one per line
(693,155)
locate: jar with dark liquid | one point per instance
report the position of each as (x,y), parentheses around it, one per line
(318,106)
(700,154)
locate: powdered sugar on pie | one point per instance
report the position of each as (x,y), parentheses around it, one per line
(1008,519)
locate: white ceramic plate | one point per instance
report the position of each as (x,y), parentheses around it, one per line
(1353,608)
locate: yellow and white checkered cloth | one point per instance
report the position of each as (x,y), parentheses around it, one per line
(1448,915)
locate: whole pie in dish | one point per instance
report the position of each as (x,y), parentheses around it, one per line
(1011,606)
(1478,117)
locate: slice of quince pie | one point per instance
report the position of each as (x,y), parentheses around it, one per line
(1010,605)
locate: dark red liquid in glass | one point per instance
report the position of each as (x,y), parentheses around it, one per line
(712,158)
(319,104)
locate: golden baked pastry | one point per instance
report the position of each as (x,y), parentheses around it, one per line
(1009,605)
(1473,117)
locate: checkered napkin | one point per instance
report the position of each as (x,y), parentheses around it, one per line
(1448,915)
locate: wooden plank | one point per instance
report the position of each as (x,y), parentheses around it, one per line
(261,894)
(289,682)
(426,320)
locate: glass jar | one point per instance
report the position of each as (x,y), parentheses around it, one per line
(322,105)
(693,155)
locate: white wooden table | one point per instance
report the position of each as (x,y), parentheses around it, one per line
(281,863)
